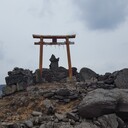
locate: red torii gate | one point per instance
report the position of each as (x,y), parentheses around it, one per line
(54,42)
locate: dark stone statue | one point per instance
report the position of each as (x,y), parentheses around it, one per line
(54,62)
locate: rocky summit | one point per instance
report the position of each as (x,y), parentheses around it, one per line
(88,100)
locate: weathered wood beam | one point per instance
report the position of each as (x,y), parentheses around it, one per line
(69,58)
(53,43)
(55,36)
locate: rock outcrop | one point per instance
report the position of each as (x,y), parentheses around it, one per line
(17,80)
(91,100)
(59,105)
(19,75)
(100,102)
(121,80)
(54,75)
(87,74)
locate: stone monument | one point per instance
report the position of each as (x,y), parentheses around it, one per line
(54,62)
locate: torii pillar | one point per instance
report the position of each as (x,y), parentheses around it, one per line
(54,42)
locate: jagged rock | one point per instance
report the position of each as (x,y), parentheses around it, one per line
(102,84)
(63,125)
(110,121)
(121,80)
(48,95)
(87,74)
(122,106)
(51,75)
(121,123)
(36,113)
(60,74)
(73,96)
(43,126)
(72,116)
(86,125)
(97,103)
(49,107)
(19,75)
(65,95)
(63,92)
(104,77)
(37,77)
(8,90)
(100,102)
(21,86)
(47,75)
(9,125)
(28,123)
(23,126)
(110,80)
(60,117)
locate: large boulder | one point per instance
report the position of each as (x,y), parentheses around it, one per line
(19,75)
(86,124)
(87,74)
(63,92)
(21,86)
(122,106)
(100,102)
(8,90)
(51,75)
(121,80)
(110,121)
(106,121)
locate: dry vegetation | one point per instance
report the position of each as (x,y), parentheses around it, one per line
(19,106)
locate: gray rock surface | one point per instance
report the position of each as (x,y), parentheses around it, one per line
(28,123)
(87,74)
(86,125)
(91,103)
(100,102)
(63,92)
(7,90)
(110,121)
(19,75)
(49,108)
(121,80)
(36,113)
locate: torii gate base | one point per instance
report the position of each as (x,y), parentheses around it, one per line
(54,42)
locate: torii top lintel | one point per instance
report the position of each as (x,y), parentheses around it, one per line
(55,36)
(54,39)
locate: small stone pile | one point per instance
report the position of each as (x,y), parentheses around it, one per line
(19,75)
(59,74)
(17,80)
(61,95)
(69,120)
(117,79)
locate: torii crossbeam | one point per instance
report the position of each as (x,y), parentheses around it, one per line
(54,42)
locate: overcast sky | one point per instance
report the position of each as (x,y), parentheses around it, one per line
(101,28)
